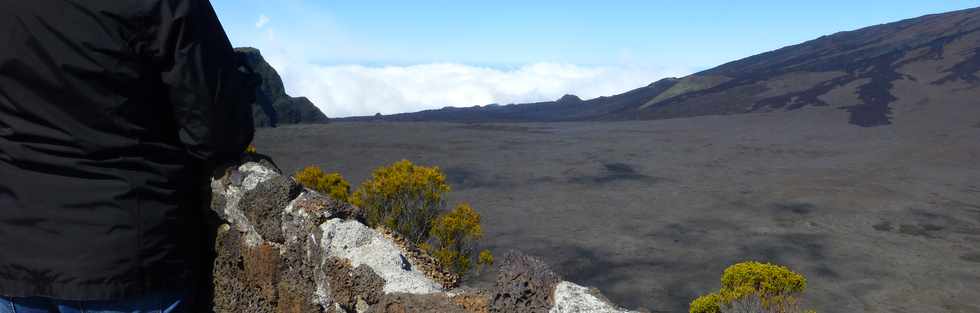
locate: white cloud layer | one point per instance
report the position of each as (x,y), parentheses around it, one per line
(354,90)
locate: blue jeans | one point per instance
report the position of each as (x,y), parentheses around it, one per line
(154,303)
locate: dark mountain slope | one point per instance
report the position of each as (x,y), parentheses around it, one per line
(273,105)
(568,108)
(856,71)
(869,60)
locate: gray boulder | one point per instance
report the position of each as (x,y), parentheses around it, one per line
(524,284)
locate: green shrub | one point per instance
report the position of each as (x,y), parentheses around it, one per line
(777,288)
(410,200)
(764,278)
(331,184)
(455,234)
(404,197)
(485,259)
(709,303)
(718,301)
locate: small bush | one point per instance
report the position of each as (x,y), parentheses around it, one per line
(410,200)
(455,234)
(485,259)
(709,303)
(331,184)
(777,288)
(717,302)
(767,279)
(404,197)
(251,149)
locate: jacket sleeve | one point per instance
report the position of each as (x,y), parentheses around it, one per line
(203,78)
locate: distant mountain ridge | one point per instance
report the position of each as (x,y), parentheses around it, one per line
(273,106)
(855,71)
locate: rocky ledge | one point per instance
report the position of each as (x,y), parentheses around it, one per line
(284,248)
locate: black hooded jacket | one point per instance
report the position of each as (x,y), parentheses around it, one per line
(111,114)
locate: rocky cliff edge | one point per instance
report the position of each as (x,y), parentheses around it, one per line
(284,248)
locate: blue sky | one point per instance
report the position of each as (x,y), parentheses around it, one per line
(361,57)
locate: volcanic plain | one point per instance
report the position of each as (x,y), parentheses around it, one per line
(879,219)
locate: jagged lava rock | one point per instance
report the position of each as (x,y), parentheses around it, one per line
(351,286)
(263,205)
(410,303)
(523,284)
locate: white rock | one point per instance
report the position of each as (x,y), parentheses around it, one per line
(362,245)
(255,173)
(291,208)
(572,298)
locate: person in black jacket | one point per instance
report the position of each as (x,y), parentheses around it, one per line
(112,115)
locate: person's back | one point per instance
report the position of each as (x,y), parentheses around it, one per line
(110,113)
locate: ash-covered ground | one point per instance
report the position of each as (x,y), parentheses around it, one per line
(881,219)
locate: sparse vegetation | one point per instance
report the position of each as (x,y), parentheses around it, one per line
(454,235)
(410,200)
(485,259)
(709,303)
(776,288)
(332,184)
(404,197)
(251,149)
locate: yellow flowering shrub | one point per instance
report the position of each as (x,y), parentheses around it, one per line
(778,288)
(404,197)
(709,303)
(485,259)
(410,200)
(764,278)
(455,234)
(331,184)
(251,149)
